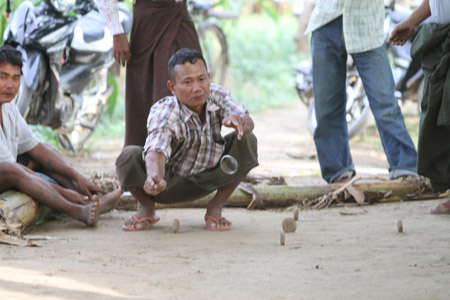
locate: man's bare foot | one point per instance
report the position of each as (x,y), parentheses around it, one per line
(441,209)
(91,211)
(109,201)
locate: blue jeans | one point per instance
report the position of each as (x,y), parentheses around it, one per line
(329,86)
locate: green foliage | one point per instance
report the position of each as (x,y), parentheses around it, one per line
(262,55)
(45,134)
(112,100)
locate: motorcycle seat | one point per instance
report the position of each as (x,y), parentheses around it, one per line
(92,26)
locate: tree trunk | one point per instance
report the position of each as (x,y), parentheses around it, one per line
(276,196)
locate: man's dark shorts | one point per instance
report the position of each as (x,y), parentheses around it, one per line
(132,174)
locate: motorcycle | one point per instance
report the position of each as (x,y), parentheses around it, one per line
(67,53)
(407,73)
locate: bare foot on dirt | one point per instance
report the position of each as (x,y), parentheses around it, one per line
(91,212)
(109,201)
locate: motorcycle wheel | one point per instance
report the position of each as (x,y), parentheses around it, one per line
(357,110)
(77,131)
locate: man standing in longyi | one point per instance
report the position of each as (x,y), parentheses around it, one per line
(160,28)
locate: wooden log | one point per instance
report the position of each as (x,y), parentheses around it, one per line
(19,211)
(278,196)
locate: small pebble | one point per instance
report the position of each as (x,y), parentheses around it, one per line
(289,225)
(400,226)
(176,225)
(282,238)
(296,212)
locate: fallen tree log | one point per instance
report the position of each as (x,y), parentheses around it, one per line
(279,196)
(19,211)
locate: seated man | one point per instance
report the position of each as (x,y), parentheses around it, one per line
(75,195)
(180,159)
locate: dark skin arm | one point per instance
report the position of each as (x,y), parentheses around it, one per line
(403,30)
(121,49)
(52,161)
(155,164)
(242,123)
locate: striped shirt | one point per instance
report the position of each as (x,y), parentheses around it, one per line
(363,21)
(189,146)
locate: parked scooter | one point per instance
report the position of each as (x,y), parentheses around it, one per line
(67,59)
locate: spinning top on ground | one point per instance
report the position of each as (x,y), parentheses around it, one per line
(400,226)
(176,226)
(282,238)
(296,213)
(289,225)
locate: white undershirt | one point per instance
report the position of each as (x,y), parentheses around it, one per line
(440,11)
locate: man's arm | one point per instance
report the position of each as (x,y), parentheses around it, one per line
(243,123)
(53,162)
(403,30)
(155,165)
(110,16)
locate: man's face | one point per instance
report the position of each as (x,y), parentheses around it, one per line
(9,82)
(191,85)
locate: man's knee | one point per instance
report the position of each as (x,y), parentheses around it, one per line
(130,167)
(250,139)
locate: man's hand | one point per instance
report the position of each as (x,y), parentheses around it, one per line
(86,187)
(154,185)
(401,33)
(121,49)
(240,123)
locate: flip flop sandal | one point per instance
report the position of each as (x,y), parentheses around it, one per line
(441,209)
(216,221)
(151,222)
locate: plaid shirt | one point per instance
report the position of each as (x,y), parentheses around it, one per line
(362,21)
(110,16)
(189,146)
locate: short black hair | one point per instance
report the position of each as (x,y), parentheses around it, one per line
(9,55)
(181,57)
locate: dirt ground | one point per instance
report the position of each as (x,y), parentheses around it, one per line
(337,253)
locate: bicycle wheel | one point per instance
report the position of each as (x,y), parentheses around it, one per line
(215,50)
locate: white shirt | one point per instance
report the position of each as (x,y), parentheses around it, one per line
(440,11)
(15,135)
(362,21)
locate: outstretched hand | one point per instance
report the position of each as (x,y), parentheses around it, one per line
(121,49)
(401,33)
(88,188)
(154,185)
(237,122)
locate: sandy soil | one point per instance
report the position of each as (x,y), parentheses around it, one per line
(356,255)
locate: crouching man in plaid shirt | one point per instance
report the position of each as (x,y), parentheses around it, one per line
(180,159)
